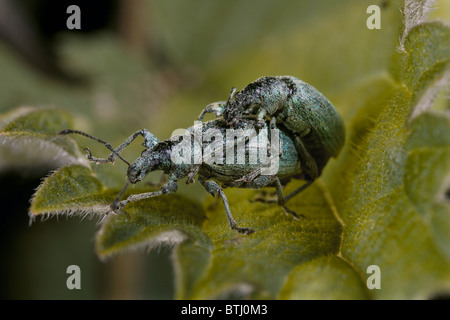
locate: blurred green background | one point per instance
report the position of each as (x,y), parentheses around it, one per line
(155,64)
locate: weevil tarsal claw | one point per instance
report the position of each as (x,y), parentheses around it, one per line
(245,231)
(288,212)
(117,206)
(114,209)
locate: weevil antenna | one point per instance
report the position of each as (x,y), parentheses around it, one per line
(232,93)
(119,196)
(106,144)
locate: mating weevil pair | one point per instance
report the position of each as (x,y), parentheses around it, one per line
(305,130)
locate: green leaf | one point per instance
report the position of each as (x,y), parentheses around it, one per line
(29,136)
(427,175)
(72,189)
(150,223)
(188,274)
(427,54)
(38,122)
(325,278)
(397,173)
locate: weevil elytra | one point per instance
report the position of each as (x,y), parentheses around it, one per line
(288,102)
(280,127)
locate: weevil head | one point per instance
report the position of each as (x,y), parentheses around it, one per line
(234,112)
(150,160)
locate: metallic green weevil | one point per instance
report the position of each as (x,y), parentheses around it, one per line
(275,129)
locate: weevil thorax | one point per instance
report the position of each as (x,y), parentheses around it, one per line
(156,158)
(269,93)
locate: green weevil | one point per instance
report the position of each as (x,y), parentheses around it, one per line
(286,101)
(274,120)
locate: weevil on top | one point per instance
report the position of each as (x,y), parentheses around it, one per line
(280,120)
(317,128)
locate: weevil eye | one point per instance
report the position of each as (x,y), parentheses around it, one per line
(246,103)
(132,175)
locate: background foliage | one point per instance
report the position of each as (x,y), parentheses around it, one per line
(384,201)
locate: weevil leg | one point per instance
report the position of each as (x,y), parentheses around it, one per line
(282,199)
(192,172)
(273,123)
(260,118)
(91,158)
(214,189)
(216,107)
(246,178)
(297,191)
(168,188)
(114,207)
(232,93)
(309,165)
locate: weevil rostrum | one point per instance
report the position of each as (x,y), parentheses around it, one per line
(263,136)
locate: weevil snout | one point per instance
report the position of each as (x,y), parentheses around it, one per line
(138,170)
(133,174)
(149,161)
